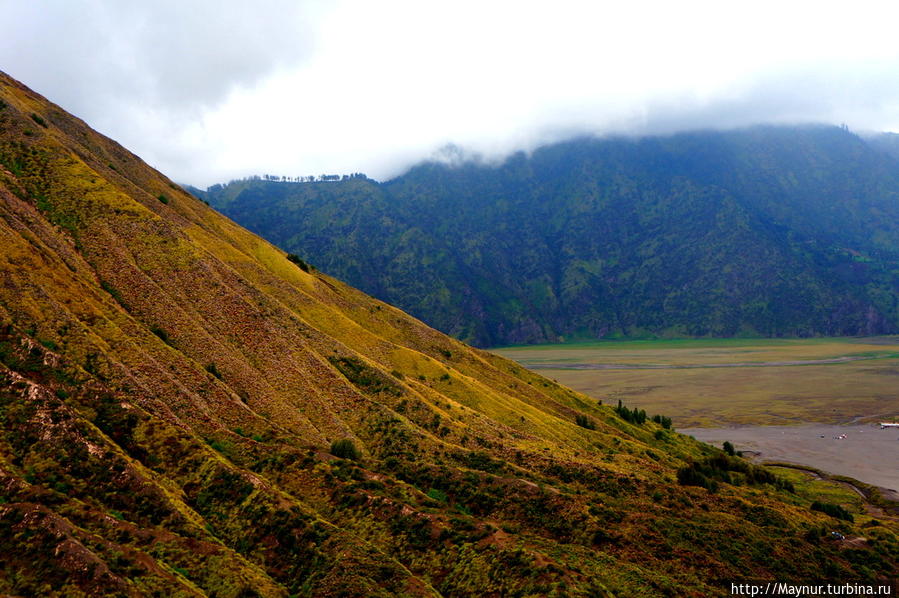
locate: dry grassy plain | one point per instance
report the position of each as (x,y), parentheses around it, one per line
(722,382)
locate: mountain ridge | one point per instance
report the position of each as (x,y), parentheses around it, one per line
(766,231)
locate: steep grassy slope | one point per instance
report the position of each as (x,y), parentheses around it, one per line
(761,232)
(173,393)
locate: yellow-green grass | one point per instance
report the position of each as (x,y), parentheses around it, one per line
(810,488)
(862,390)
(172,387)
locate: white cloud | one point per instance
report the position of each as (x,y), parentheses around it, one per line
(211,90)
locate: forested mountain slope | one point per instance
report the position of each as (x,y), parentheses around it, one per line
(885,142)
(186,412)
(772,231)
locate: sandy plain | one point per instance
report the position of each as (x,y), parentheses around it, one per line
(863,451)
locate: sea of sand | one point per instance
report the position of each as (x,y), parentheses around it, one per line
(861,451)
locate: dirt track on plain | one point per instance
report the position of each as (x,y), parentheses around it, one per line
(687,366)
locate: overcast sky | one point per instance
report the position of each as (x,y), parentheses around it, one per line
(209,90)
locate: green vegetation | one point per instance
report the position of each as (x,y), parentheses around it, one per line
(365,377)
(611,238)
(633,416)
(813,486)
(39,120)
(585,422)
(833,510)
(437,495)
(129,470)
(48,344)
(292,257)
(345,449)
(731,470)
(213,370)
(162,334)
(662,420)
(112,291)
(163,198)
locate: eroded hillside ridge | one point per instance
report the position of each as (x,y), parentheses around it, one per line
(186,412)
(768,231)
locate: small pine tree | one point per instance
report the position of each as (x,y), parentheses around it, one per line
(663,421)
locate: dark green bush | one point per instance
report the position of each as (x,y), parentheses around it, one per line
(584,422)
(663,421)
(633,416)
(112,291)
(365,377)
(39,120)
(833,510)
(49,344)
(437,495)
(481,461)
(709,472)
(162,334)
(345,449)
(214,371)
(161,197)
(292,257)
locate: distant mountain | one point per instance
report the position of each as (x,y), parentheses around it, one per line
(771,231)
(886,142)
(187,411)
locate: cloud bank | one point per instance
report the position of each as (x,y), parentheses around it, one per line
(211,90)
